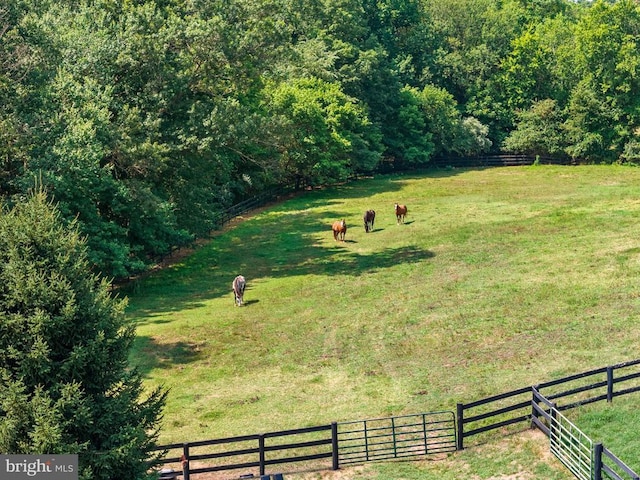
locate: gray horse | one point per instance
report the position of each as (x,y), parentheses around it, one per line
(239,284)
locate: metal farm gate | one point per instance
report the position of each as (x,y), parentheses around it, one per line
(396,437)
(572,447)
(566,441)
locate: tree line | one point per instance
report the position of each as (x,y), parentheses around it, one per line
(143,119)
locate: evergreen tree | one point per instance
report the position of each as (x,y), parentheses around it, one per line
(65,383)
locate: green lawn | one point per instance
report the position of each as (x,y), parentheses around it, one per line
(615,425)
(500,278)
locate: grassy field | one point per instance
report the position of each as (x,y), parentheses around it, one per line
(500,278)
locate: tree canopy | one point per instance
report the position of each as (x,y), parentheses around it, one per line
(145,119)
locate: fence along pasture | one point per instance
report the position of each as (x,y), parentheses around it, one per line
(566,441)
(344,443)
(251,452)
(354,442)
(406,436)
(514,407)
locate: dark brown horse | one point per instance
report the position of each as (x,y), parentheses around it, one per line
(238,285)
(369,218)
(339,230)
(401,211)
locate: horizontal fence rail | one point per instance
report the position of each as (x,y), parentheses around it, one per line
(246,206)
(514,407)
(613,465)
(572,447)
(498,160)
(253,453)
(584,458)
(594,385)
(396,437)
(338,443)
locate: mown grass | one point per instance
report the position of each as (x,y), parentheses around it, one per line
(499,279)
(616,426)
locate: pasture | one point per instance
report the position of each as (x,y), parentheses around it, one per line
(499,278)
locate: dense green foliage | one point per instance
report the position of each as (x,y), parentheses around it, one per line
(66,386)
(144,119)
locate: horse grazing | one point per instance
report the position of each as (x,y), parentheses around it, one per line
(339,230)
(238,285)
(369,218)
(401,211)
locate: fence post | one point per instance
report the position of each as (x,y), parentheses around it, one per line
(424,433)
(460,436)
(393,434)
(609,384)
(534,398)
(185,461)
(366,440)
(553,424)
(261,449)
(597,461)
(334,445)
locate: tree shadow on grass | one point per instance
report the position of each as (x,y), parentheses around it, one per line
(282,253)
(152,355)
(333,261)
(287,240)
(291,239)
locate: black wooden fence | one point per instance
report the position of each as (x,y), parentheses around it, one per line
(247,205)
(413,435)
(407,436)
(254,452)
(514,407)
(584,458)
(530,405)
(502,160)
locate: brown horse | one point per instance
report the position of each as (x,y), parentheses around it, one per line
(369,218)
(238,285)
(401,211)
(339,230)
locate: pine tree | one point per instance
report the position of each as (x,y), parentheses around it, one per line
(65,382)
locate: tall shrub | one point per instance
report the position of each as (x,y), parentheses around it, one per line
(65,382)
